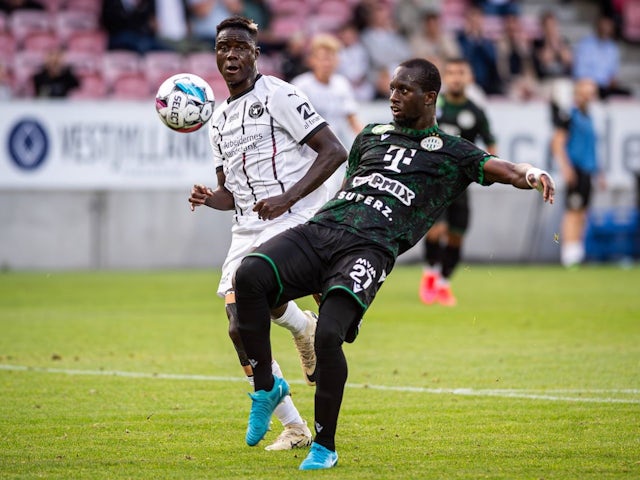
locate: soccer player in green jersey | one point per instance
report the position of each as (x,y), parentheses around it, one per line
(456,115)
(400,178)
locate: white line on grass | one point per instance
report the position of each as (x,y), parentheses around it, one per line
(470,392)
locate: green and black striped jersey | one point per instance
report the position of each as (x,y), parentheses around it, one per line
(399,181)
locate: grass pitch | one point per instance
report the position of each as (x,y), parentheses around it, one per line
(535,375)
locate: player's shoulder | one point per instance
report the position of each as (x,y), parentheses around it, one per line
(273,85)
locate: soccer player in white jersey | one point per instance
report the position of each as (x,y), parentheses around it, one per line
(272,153)
(331,93)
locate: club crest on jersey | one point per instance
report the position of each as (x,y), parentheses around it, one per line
(380,129)
(432,143)
(256,110)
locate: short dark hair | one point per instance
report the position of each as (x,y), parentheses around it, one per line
(242,23)
(429,78)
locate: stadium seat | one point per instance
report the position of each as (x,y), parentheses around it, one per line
(7,47)
(23,23)
(335,8)
(285,27)
(203,64)
(288,8)
(52,5)
(41,41)
(91,87)
(130,87)
(68,22)
(631,21)
(117,63)
(92,6)
(270,65)
(25,65)
(158,66)
(84,63)
(90,41)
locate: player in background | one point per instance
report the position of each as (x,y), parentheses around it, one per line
(330,93)
(400,178)
(456,115)
(573,146)
(272,152)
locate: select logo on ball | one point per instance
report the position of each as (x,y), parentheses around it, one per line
(185,102)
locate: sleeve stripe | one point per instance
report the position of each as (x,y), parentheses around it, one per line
(313,132)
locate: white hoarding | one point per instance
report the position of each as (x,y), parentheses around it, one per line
(123,145)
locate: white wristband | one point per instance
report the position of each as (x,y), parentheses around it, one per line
(537,173)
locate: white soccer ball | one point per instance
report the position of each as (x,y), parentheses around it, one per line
(185,102)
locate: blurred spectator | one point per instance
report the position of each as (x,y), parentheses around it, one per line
(172,24)
(207,14)
(8,6)
(293,61)
(131,25)
(574,149)
(431,42)
(55,79)
(515,65)
(614,9)
(260,12)
(331,93)
(552,55)
(354,62)
(6,91)
(362,11)
(409,14)
(597,57)
(480,52)
(498,7)
(385,46)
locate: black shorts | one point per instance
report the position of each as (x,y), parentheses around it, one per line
(456,215)
(579,196)
(312,258)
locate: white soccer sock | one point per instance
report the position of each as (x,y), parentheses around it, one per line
(286,412)
(572,254)
(293,319)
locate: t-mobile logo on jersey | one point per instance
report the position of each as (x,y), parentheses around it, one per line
(396,154)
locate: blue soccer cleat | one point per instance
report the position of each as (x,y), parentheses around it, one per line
(319,457)
(262,406)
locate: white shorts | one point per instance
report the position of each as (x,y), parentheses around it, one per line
(245,237)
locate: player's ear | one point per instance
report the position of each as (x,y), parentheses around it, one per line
(430,98)
(257,50)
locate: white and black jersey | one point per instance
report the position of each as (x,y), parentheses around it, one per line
(258,139)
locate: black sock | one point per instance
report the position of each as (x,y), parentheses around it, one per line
(337,314)
(450,259)
(432,252)
(255,280)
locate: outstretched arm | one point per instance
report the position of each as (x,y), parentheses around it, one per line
(220,198)
(520,175)
(331,154)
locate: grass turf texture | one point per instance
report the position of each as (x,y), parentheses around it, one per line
(534,330)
